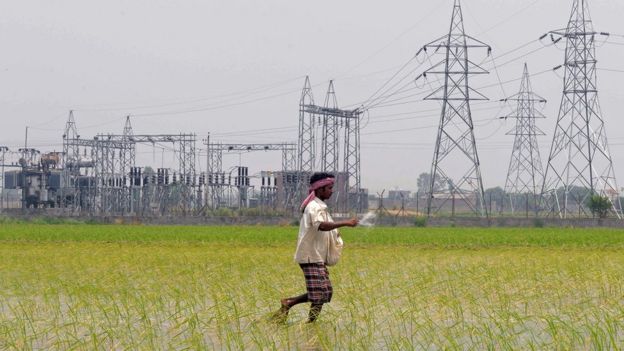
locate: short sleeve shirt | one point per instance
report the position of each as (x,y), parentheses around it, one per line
(312,244)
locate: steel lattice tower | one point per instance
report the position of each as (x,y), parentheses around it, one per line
(525,172)
(71,155)
(289,167)
(352,161)
(455,149)
(71,132)
(216,177)
(330,119)
(306,144)
(329,145)
(579,164)
(128,158)
(187,154)
(3,151)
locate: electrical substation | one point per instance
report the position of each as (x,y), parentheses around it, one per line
(100,175)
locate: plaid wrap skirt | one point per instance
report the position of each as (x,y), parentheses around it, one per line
(317,282)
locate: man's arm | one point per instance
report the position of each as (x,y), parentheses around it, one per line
(327,226)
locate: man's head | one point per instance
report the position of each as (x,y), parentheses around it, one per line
(324,192)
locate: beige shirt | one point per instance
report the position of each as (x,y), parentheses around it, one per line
(312,244)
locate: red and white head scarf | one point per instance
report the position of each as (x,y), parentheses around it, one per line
(316,185)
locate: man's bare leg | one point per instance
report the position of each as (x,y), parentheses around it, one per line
(292,301)
(315,310)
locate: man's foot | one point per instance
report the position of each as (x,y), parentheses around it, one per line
(281,315)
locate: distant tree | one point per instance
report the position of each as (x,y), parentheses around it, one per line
(599,205)
(496,192)
(424,182)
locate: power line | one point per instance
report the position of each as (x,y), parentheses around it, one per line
(242,93)
(214,107)
(509,17)
(418,23)
(388,81)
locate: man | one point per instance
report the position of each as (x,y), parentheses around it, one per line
(312,247)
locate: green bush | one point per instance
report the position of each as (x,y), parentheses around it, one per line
(420,222)
(599,205)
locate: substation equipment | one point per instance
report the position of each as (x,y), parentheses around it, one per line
(100,175)
(232,188)
(36,175)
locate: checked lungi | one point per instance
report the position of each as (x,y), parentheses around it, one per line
(317,281)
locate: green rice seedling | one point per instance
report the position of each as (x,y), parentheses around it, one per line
(134,287)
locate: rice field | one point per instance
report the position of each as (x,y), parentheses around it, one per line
(149,288)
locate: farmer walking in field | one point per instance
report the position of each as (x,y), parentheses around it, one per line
(316,247)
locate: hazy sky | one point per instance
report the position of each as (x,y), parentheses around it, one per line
(235,69)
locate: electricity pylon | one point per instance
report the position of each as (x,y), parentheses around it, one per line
(128,159)
(525,172)
(71,156)
(456,150)
(328,120)
(329,144)
(579,164)
(306,145)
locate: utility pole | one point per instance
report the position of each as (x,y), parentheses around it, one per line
(579,163)
(525,171)
(455,148)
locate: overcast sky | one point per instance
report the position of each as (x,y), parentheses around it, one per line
(235,69)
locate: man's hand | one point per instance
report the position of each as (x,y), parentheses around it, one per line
(352,222)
